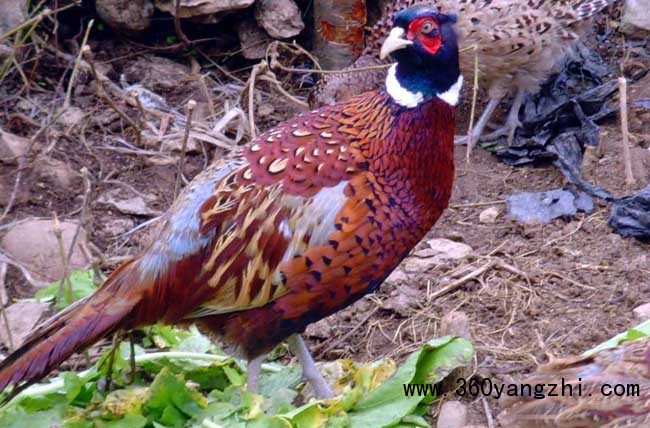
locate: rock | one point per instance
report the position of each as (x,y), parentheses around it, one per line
(265,110)
(439,251)
(191,8)
(253,39)
(403,299)
(117,226)
(397,276)
(280,18)
(12,14)
(6,189)
(12,147)
(128,16)
(57,173)
(34,244)
(636,18)
(5,51)
(157,73)
(321,329)
(448,249)
(641,313)
(71,117)
(135,205)
(456,323)
(417,265)
(22,317)
(453,414)
(490,215)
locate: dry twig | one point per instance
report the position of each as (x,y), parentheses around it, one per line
(75,69)
(191,104)
(625,130)
(459,282)
(103,86)
(177,26)
(4,303)
(470,141)
(65,286)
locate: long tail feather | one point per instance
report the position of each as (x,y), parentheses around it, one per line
(73,330)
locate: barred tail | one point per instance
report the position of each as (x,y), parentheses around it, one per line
(72,330)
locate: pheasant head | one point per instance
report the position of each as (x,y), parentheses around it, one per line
(423,42)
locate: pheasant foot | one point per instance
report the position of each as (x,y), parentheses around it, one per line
(309,371)
(477,131)
(512,122)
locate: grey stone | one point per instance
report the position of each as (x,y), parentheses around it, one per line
(34,244)
(280,18)
(129,16)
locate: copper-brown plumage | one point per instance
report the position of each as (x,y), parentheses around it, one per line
(303,221)
(519,43)
(609,389)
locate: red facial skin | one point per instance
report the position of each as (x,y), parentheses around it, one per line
(427,31)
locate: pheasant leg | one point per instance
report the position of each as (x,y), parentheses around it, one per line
(512,122)
(309,371)
(253,370)
(477,131)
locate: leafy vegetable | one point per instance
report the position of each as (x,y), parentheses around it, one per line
(82,285)
(193,385)
(642,330)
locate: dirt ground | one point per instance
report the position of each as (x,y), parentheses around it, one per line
(533,290)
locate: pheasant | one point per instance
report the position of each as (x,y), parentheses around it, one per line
(608,389)
(302,222)
(518,42)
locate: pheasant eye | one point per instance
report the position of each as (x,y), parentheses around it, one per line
(427,27)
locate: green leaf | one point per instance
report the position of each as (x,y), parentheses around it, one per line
(167,337)
(387,405)
(642,330)
(82,285)
(46,402)
(128,421)
(72,385)
(312,415)
(122,402)
(286,378)
(194,342)
(16,418)
(170,401)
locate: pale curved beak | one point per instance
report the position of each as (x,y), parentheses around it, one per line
(394,42)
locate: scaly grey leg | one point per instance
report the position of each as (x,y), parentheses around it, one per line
(309,371)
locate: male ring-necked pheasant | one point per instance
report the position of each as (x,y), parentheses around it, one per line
(519,42)
(306,219)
